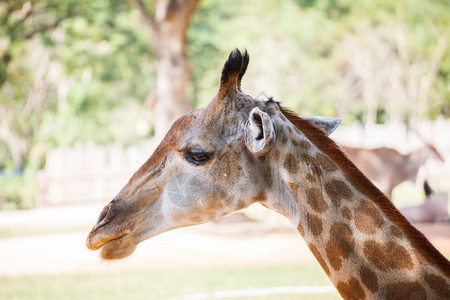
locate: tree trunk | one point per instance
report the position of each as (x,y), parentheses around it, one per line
(169,26)
(169,32)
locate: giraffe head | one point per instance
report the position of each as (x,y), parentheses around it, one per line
(213,161)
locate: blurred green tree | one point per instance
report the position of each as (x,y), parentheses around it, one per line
(167,22)
(59,60)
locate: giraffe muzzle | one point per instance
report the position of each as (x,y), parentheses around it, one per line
(101,233)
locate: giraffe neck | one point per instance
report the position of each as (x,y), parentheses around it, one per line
(365,246)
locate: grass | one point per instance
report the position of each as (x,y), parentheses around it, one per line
(165,284)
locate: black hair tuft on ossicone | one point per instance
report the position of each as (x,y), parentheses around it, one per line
(235,65)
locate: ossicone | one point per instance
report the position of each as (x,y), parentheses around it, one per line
(233,71)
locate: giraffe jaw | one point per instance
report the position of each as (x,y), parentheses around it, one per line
(118,248)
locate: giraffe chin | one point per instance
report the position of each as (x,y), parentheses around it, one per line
(118,249)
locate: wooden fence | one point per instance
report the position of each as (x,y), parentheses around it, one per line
(88,173)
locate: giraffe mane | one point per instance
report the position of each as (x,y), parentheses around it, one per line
(330,148)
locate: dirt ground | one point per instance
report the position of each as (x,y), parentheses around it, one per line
(232,241)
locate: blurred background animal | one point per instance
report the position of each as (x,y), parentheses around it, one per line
(434,209)
(387,167)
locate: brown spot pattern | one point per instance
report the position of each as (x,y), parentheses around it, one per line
(369,278)
(228,167)
(315,200)
(283,136)
(241,204)
(300,229)
(260,197)
(316,170)
(305,157)
(267,176)
(314,224)
(439,285)
(294,187)
(340,245)
(351,289)
(390,256)
(325,163)
(396,232)
(310,178)
(319,258)
(404,290)
(291,164)
(346,212)
(301,144)
(337,191)
(305,145)
(219,195)
(276,154)
(367,218)
(420,258)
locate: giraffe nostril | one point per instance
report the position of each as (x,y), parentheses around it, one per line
(103,213)
(105,216)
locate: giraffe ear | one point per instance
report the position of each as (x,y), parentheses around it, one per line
(260,132)
(328,125)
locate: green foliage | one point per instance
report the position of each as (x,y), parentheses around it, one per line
(13,194)
(303,51)
(70,71)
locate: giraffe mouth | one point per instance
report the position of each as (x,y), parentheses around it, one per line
(121,227)
(115,240)
(113,246)
(93,242)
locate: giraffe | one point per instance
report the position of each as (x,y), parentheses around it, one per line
(237,151)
